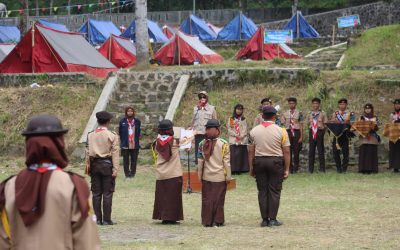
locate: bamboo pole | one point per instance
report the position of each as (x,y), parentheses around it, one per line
(333,36)
(262,43)
(109,52)
(190,21)
(240,26)
(33,43)
(179,49)
(298,31)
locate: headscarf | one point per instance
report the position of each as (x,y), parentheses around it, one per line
(210,140)
(235,115)
(126,113)
(164,148)
(370,115)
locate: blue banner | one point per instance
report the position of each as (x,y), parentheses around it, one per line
(348,21)
(281,36)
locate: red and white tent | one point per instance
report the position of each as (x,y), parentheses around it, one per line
(122,28)
(185,49)
(5,49)
(120,51)
(55,51)
(214,28)
(169,30)
(252,49)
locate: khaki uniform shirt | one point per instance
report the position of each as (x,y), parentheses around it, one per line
(393,117)
(103,144)
(172,168)
(268,140)
(213,170)
(259,119)
(347,116)
(372,140)
(59,227)
(243,131)
(297,119)
(202,117)
(321,118)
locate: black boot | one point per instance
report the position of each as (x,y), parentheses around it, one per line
(339,170)
(395,170)
(109,222)
(264,223)
(272,223)
(344,170)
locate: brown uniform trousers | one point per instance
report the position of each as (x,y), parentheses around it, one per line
(269,171)
(318,143)
(103,187)
(295,147)
(343,142)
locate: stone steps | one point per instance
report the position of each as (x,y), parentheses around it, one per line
(143,97)
(147,117)
(140,107)
(147,86)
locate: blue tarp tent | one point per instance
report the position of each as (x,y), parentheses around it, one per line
(54,26)
(9,34)
(155,32)
(305,29)
(99,30)
(199,28)
(233,29)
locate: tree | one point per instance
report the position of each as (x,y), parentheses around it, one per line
(37,7)
(142,36)
(244,4)
(69,4)
(294,6)
(51,7)
(24,18)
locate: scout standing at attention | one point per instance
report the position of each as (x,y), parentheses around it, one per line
(215,175)
(270,150)
(129,132)
(44,207)
(168,198)
(102,149)
(342,115)
(266,102)
(315,120)
(394,148)
(293,122)
(238,140)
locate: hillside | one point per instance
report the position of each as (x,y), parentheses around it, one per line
(378,46)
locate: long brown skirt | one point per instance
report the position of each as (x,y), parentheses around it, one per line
(197,140)
(239,159)
(168,200)
(394,155)
(368,159)
(213,200)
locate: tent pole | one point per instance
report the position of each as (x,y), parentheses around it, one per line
(190,21)
(240,26)
(109,53)
(298,31)
(179,50)
(151,49)
(33,43)
(262,43)
(88,30)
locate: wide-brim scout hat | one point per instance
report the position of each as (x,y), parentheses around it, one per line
(104,115)
(203,93)
(239,106)
(44,125)
(397,101)
(213,123)
(269,110)
(165,124)
(343,100)
(368,106)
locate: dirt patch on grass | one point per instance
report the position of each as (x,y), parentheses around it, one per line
(128,234)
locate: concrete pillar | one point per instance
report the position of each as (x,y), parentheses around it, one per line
(142,43)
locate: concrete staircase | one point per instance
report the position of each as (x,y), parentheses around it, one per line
(326,59)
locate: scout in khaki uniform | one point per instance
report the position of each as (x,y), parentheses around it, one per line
(202,113)
(394,148)
(168,198)
(215,175)
(315,120)
(342,115)
(43,207)
(102,149)
(270,151)
(266,102)
(238,139)
(292,120)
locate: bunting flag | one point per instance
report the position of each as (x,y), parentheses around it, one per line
(20,11)
(65,18)
(9,12)
(67,7)
(102,4)
(90,5)
(79,7)
(105,11)
(123,2)
(112,3)
(43,9)
(55,8)
(127,4)
(122,7)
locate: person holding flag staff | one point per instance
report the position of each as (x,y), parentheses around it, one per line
(343,142)
(394,148)
(266,102)
(292,120)
(202,113)
(316,120)
(168,196)
(238,140)
(214,173)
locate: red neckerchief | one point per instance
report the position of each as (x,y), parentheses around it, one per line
(266,124)
(397,114)
(100,129)
(41,170)
(164,142)
(203,105)
(237,125)
(131,127)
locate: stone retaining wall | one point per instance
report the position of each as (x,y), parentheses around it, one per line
(15,80)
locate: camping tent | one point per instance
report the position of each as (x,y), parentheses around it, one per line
(169,30)
(241,27)
(185,49)
(306,30)
(55,51)
(196,26)
(52,25)
(252,49)
(99,31)
(155,32)
(9,34)
(5,49)
(120,51)
(214,28)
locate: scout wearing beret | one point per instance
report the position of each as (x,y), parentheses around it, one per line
(102,151)
(394,148)
(266,102)
(315,120)
(342,115)
(292,120)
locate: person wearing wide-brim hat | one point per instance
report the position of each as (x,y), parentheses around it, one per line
(394,148)
(215,174)
(44,205)
(168,195)
(202,113)
(259,119)
(238,140)
(368,154)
